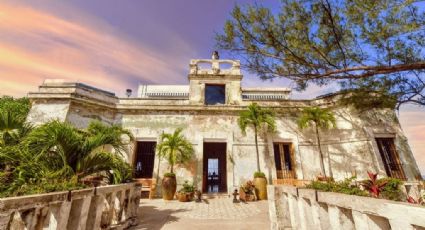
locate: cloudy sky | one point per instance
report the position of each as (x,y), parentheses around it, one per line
(115,45)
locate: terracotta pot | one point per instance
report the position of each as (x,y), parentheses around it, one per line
(191,195)
(261,187)
(245,196)
(169,187)
(183,197)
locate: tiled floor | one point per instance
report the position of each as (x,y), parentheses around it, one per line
(218,213)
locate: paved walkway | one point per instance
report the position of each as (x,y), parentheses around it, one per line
(218,214)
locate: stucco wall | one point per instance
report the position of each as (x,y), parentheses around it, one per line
(351,145)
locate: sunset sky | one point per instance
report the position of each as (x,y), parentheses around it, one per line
(115,45)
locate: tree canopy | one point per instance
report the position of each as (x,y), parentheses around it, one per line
(365,46)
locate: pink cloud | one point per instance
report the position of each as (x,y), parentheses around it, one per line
(413,124)
(35,45)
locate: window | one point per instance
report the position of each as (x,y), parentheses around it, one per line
(213,175)
(215,94)
(145,157)
(284,161)
(390,158)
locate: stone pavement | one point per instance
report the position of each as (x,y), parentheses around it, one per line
(217,213)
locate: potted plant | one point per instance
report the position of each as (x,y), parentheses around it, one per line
(260,183)
(259,118)
(186,193)
(247,192)
(175,148)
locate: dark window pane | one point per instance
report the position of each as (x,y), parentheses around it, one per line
(215,94)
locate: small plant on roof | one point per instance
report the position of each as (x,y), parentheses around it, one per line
(373,185)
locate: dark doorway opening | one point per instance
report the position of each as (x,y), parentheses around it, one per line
(214,168)
(144,161)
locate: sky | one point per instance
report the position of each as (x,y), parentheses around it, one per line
(115,45)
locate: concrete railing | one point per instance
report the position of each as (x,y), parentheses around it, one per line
(295,208)
(107,207)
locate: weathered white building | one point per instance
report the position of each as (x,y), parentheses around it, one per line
(208,109)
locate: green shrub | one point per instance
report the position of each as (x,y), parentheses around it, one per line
(44,186)
(187,188)
(259,174)
(392,190)
(168,174)
(346,186)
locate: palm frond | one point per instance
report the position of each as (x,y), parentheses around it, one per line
(175,148)
(323,118)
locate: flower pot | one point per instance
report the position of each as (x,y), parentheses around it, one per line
(243,196)
(183,197)
(261,187)
(169,186)
(191,195)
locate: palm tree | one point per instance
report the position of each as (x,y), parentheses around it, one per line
(258,118)
(12,128)
(70,152)
(175,148)
(322,119)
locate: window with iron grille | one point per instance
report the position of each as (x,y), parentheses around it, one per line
(145,157)
(284,160)
(390,158)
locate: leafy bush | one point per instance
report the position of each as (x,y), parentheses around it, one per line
(187,188)
(259,174)
(57,156)
(346,186)
(373,185)
(43,186)
(169,174)
(18,106)
(392,190)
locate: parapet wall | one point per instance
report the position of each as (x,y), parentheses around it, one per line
(295,208)
(105,207)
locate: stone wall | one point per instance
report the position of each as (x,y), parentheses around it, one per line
(296,208)
(102,207)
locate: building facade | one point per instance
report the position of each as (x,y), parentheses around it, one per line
(208,109)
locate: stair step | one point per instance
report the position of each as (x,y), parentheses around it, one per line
(215,195)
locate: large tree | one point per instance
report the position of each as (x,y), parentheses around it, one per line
(259,118)
(364,45)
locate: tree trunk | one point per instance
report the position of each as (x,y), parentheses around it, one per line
(322,163)
(256,149)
